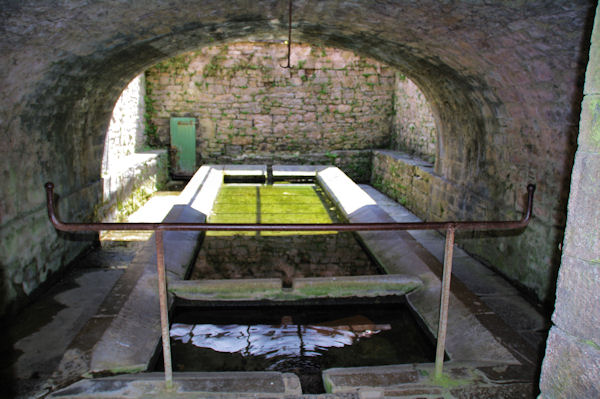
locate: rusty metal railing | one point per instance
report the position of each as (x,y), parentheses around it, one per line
(450,227)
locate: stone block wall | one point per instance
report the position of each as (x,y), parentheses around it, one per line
(248,108)
(414,129)
(571,367)
(408,180)
(125,134)
(413,183)
(287,257)
(503,80)
(129,174)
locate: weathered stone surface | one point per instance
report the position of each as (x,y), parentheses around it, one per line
(396,252)
(265,100)
(506,108)
(301,288)
(592,75)
(577,295)
(571,367)
(589,125)
(414,127)
(136,327)
(572,363)
(460,380)
(582,238)
(413,183)
(222,385)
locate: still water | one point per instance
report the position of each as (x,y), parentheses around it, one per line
(299,339)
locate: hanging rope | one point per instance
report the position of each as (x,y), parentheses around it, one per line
(289,40)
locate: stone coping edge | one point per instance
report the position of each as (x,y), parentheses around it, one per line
(302,288)
(264,384)
(130,341)
(467,339)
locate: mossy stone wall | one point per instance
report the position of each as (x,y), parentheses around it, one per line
(251,109)
(571,367)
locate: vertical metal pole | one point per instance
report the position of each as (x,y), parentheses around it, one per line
(164,315)
(444,301)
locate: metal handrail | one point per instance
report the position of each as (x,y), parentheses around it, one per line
(449,226)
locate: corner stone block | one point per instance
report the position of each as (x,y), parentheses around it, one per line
(582,237)
(589,125)
(576,309)
(570,368)
(592,76)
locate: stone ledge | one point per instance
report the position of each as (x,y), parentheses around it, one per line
(396,252)
(129,343)
(218,384)
(460,379)
(302,288)
(407,159)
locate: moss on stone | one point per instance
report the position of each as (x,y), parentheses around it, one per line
(448,382)
(592,344)
(346,289)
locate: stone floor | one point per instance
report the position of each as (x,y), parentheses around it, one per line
(37,338)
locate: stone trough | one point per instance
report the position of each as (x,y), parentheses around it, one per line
(484,355)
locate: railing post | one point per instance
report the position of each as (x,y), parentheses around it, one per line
(164,314)
(444,301)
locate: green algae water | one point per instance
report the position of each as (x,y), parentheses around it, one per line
(278,203)
(272,254)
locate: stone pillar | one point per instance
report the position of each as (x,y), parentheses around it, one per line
(571,367)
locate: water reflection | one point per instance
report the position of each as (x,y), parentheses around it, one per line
(269,341)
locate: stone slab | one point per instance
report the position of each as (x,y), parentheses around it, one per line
(242,170)
(188,385)
(204,197)
(460,380)
(395,251)
(406,158)
(523,315)
(582,237)
(577,299)
(297,170)
(571,367)
(343,191)
(355,286)
(34,343)
(130,342)
(589,128)
(302,288)
(231,289)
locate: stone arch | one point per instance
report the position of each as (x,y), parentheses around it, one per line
(502,79)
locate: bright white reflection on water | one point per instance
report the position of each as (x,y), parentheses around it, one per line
(288,340)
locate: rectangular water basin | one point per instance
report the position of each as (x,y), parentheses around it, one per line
(301,339)
(273,254)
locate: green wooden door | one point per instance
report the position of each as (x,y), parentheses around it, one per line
(183,146)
